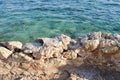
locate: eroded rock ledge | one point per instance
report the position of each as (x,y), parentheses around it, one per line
(62,58)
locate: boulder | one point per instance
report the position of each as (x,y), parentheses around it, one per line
(65,41)
(24,57)
(95,35)
(52,47)
(32,47)
(107,35)
(82,39)
(91,45)
(107,43)
(70,55)
(14,45)
(110,50)
(117,36)
(4,53)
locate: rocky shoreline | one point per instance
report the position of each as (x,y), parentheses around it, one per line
(94,56)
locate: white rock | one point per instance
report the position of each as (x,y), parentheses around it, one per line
(14,44)
(4,53)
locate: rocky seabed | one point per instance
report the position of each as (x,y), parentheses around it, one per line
(93,56)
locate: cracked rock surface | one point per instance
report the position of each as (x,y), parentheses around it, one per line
(94,56)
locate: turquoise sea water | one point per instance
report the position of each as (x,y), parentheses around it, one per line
(26,20)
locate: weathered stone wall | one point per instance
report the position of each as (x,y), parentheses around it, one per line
(51,58)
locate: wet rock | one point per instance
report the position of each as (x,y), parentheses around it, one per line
(107,35)
(4,53)
(95,35)
(91,44)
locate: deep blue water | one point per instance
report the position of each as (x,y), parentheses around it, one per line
(26,20)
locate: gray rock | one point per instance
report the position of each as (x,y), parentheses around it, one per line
(95,35)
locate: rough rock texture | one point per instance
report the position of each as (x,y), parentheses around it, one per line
(94,56)
(4,53)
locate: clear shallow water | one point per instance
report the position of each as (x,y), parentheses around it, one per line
(26,20)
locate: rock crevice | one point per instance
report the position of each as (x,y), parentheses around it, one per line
(50,58)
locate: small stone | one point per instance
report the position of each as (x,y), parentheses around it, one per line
(4,53)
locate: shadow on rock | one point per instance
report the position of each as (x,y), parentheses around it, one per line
(85,72)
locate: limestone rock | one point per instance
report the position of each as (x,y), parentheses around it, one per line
(117,36)
(28,51)
(107,35)
(91,44)
(70,55)
(4,53)
(52,47)
(61,58)
(107,43)
(95,35)
(48,52)
(51,42)
(25,66)
(4,70)
(82,39)
(24,57)
(14,44)
(74,44)
(65,41)
(32,47)
(108,50)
